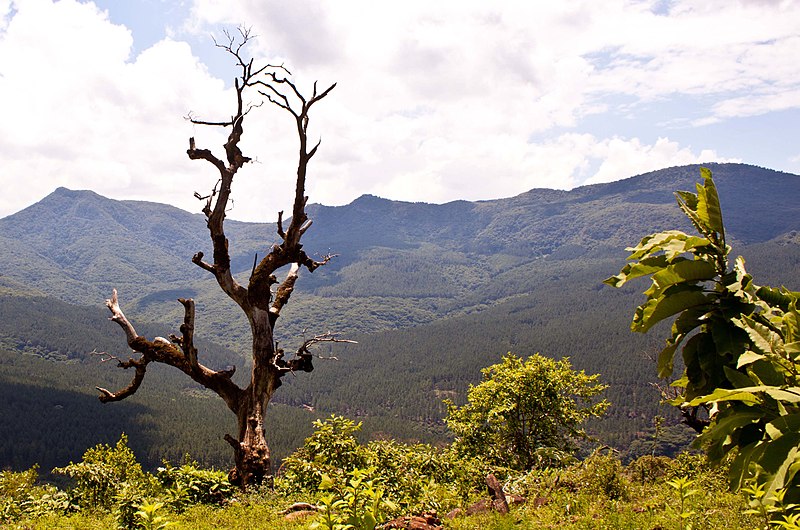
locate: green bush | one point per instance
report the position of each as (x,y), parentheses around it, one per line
(21,497)
(331,449)
(189,485)
(102,472)
(526,412)
(600,474)
(648,469)
(356,502)
(413,476)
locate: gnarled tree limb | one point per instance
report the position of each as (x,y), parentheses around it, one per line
(251,452)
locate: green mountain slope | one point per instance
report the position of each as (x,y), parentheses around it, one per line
(433,293)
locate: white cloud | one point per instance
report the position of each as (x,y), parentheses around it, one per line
(622,158)
(435,100)
(79,112)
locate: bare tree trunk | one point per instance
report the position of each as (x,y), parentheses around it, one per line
(251,452)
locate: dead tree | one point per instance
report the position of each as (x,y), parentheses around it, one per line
(257,301)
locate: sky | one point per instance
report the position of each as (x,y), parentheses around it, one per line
(434,102)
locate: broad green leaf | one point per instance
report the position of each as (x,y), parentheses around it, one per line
(674,300)
(666,356)
(793,349)
(644,267)
(654,243)
(768,373)
(688,198)
(740,467)
(789,395)
(764,339)
(791,326)
(676,247)
(688,321)
(688,271)
(748,357)
(748,395)
(785,424)
(708,208)
(776,297)
(776,459)
(745,395)
(697,382)
(738,379)
(687,202)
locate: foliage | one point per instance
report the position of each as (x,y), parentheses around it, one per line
(20,496)
(526,413)
(649,468)
(415,477)
(102,470)
(332,449)
(683,487)
(740,344)
(601,474)
(148,517)
(569,498)
(355,503)
(189,484)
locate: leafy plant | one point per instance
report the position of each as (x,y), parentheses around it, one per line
(683,486)
(415,476)
(601,474)
(102,472)
(740,345)
(148,517)
(525,413)
(188,485)
(331,448)
(357,504)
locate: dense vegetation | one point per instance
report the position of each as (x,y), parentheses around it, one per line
(359,480)
(432,345)
(355,483)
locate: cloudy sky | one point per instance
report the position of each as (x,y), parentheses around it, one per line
(435,101)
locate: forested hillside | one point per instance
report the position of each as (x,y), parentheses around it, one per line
(432,293)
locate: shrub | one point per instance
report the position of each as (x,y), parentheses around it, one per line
(102,472)
(526,413)
(649,469)
(20,496)
(188,484)
(416,476)
(600,474)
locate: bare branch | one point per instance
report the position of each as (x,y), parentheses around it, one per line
(281,232)
(197,259)
(283,293)
(325,337)
(119,317)
(302,362)
(140,367)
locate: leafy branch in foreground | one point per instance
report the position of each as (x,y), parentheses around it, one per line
(740,345)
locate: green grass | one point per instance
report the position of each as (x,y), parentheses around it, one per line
(643,506)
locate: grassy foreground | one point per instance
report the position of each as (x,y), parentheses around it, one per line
(598,493)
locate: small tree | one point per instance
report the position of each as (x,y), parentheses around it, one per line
(525,413)
(740,345)
(257,300)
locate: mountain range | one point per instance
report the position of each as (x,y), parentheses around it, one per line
(432,293)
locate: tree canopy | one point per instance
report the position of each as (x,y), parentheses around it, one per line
(526,412)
